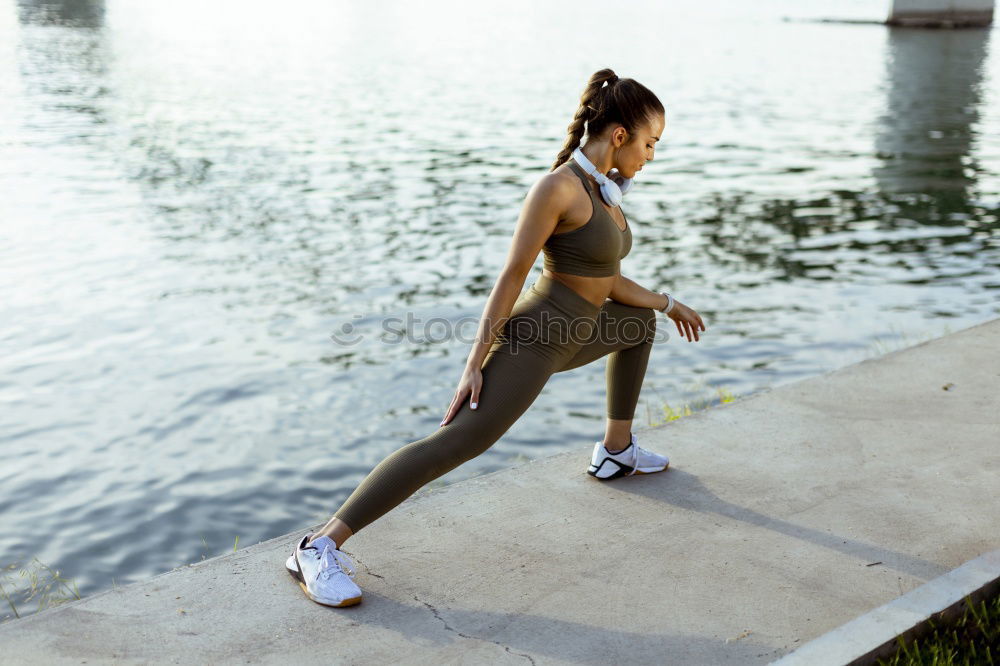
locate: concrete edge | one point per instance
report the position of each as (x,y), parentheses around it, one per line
(873,635)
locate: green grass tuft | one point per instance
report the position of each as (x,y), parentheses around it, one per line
(37,582)
(721,396)
(971,640)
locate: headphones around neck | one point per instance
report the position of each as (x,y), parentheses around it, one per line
(613,186)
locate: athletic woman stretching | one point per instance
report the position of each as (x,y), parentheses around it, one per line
(563,321)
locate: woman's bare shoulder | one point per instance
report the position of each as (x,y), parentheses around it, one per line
(556,186)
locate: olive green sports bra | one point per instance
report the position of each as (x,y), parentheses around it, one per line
(593,250)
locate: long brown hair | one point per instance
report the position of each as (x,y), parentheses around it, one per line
(624,101)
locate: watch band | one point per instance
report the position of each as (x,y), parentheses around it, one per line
(670,303)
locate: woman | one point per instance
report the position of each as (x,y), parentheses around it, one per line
(562,322)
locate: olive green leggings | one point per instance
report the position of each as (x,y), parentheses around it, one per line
(551,329)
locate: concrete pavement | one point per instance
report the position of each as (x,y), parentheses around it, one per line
(782,516)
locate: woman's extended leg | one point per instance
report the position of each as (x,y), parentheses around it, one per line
(511,382)
(546,328)
(626,334)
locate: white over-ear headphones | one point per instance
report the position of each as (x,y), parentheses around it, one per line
(613,186)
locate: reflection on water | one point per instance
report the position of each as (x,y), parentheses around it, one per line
(70,13)
(935,88)
(198,197)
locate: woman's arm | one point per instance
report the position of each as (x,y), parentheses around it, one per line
(627,292)
(544,206)
(495,313)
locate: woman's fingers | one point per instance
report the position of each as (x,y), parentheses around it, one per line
(448,414)
(698,319)
(475,385)
(469,385)
(453,407)
(688,322)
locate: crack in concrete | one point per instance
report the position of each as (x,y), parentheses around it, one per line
(367,570)
(448,627)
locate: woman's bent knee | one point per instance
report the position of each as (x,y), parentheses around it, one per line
(639,326)
(649,315)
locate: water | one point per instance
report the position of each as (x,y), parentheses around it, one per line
(196,197)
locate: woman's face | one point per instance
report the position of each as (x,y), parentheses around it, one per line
(631,156)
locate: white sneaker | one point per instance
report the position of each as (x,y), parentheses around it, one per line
(633,460)
(323,572)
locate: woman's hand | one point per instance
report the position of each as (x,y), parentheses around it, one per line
(688,321)
(471,382)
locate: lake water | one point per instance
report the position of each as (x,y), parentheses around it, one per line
(197,196)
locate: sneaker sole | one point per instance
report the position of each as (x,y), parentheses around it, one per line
(623,471)
(298,579)
(346,602)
